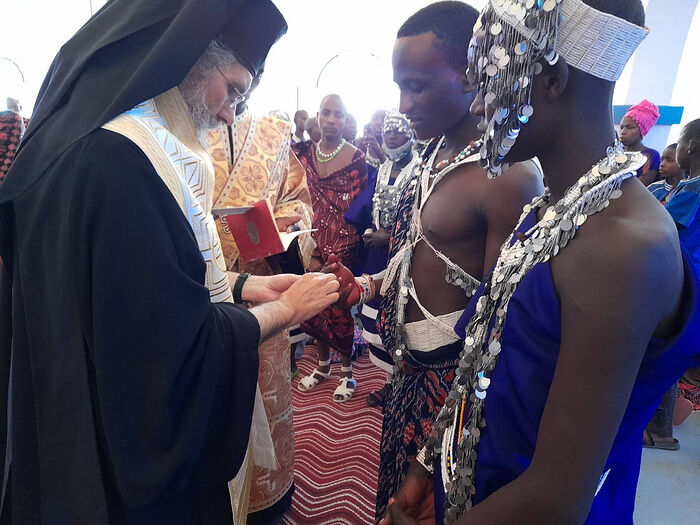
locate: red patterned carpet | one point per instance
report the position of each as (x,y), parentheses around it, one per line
(337,448)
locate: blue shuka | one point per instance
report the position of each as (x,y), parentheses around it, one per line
(522,378)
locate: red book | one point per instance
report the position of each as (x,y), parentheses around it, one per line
(255,231)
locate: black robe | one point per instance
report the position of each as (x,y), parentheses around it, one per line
(131,394)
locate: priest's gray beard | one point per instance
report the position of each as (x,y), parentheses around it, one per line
(194,93)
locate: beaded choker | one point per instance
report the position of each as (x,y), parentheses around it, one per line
(458,428)
(327,157)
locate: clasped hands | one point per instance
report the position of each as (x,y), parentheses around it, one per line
(302,296)
(413,503)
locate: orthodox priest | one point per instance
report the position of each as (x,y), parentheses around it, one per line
(130,375)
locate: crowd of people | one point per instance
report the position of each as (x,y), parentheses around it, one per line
(147,366)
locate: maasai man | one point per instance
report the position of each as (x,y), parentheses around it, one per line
(261,165)
(568,347)
(350,129)
(634,126)
(684,202)
(450,223)
(671,175)
(374,213)
(312,130)
(371,143)
(300,118)
(336,172)
(133,374)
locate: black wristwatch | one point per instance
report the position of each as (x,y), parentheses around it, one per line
(238,287)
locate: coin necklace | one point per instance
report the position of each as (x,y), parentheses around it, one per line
(461,420)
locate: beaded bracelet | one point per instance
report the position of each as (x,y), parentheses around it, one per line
(366,287)
(420,458)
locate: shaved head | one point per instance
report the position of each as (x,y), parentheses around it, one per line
(335,100)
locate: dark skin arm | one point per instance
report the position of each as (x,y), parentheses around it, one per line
(377,240)
(612,302)
(503,201)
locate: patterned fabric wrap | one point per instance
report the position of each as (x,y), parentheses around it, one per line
(386,322)
(331,197)
(262,165)
(409,414)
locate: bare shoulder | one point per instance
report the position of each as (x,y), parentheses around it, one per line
(629,250)
(509,192)
(349,154)
(523,176)
(350,147)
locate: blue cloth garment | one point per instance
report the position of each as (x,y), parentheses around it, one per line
(660,190)
(369,261)
(684,207)
(521,380)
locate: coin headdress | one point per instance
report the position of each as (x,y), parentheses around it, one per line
(510,39)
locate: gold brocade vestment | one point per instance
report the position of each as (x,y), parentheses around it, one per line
(262,165)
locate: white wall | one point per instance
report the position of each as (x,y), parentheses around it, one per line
(33,31)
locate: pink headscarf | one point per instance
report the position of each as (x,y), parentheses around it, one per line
(645,114)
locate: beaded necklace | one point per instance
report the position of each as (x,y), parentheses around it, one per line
(441,167)
(591,194)
(327,157)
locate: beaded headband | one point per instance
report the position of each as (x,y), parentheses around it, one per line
(511,36)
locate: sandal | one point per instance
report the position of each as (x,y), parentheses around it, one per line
(316,377)
(344,392)
(650,442)
(378,397)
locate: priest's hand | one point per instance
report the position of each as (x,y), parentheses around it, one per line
(349,293)
(413,503)
(288,224)
(263,289)
(310,294)
(307,296)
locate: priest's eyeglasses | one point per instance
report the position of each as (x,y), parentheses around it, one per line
(234,95)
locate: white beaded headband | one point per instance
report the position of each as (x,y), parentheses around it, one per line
(597,43)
